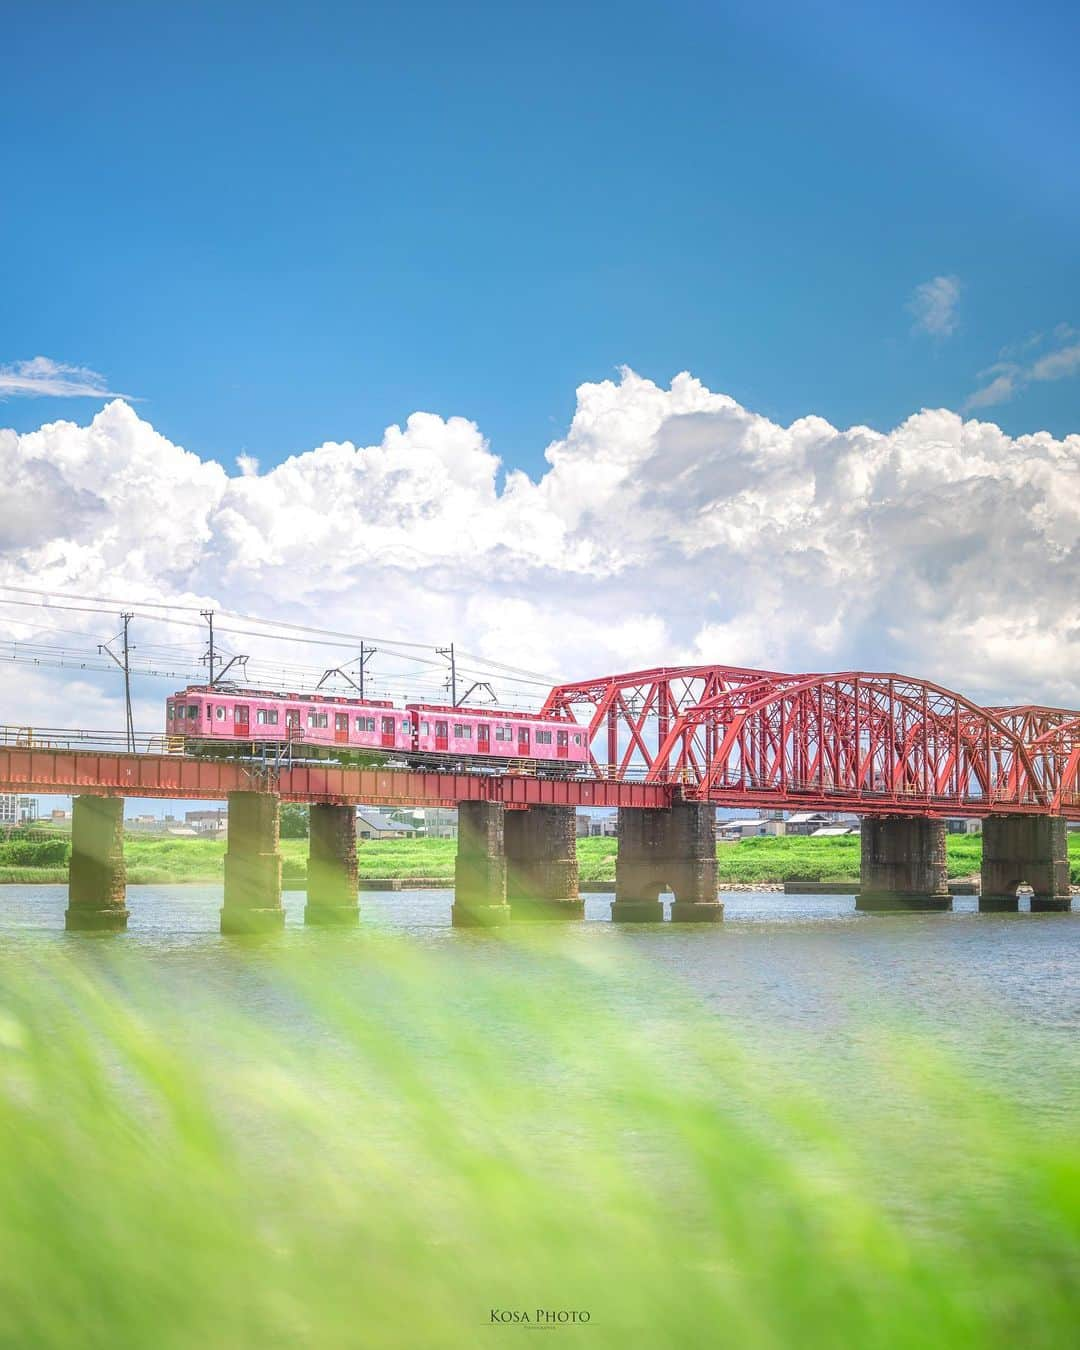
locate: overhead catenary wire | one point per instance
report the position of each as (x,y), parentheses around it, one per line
(159,660)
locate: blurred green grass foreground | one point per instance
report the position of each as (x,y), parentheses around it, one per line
(375,1144)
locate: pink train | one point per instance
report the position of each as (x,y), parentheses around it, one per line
(330,726)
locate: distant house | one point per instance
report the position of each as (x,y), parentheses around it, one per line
(605,826)
(371,824)
(833,832)
(963,825)
(213,822)
(730,831)
(431,822)
(807,822)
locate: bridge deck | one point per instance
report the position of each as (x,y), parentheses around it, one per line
(48,771)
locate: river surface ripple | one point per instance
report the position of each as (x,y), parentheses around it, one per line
(1001,991)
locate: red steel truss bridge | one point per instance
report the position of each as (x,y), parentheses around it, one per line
(874,744)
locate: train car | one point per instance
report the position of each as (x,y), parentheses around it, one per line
(496,736)
(215,719)
(209,716)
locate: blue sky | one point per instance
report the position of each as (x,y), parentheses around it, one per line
(276,224)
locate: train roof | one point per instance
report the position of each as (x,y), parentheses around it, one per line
(236,691)
(495,713)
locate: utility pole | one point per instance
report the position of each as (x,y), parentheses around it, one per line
(125,666)
(208,615)
(366,653)
(449,651)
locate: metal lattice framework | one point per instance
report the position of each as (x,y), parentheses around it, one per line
(628,716)
(850,740)
(1055,753)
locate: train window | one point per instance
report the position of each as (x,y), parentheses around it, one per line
(459,730)
(577,738)
(267,717)
(219,713)
(425,729)
(365,724)
(318,719)
(193,710)
(543,738)
(502,733)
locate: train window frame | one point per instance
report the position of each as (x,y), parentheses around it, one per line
(219,712)
(193,711)
(317,721)
(425,729)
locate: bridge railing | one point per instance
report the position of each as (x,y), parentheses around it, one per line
(75,738)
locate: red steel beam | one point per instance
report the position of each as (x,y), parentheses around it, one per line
(72,772)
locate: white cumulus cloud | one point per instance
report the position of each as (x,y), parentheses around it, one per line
(670,525)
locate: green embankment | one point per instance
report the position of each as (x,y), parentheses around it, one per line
(764,861)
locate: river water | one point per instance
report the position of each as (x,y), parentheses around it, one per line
(1002,991)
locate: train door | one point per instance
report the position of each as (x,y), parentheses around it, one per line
(241,720)
(388,732)
(483,739)
(292,723)
(523,742)
(562,745)
(442,741)
(341,728)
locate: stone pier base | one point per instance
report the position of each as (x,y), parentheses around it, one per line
(480,868)
(903,865)
(1019,849)
(541,863)
(97,880)
(333,883)
(252,865)
(667,850)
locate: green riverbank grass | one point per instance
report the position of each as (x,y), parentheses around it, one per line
(417,1139)
(762,860)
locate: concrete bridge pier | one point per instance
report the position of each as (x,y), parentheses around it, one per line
(333,885)
(1019,849)
(903,865)
(541,863)
(673,849)
(480,868)
(97,880)
(252,865)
